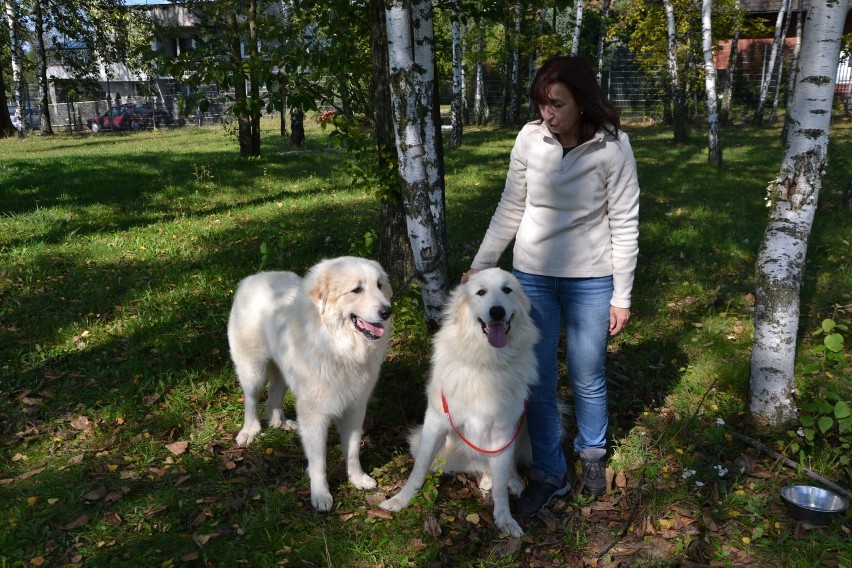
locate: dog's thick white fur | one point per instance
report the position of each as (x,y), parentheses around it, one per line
(324,337)
(483,363)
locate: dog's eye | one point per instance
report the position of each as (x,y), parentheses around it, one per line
(480,292)
(357,289)
(507,290)
(379,285)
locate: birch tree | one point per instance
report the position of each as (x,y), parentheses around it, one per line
(602,38)
(773,55)
(793,66)
(731,71)
(578,25)
(7,129)
(792,200)
(411,56)
(481,111)
(457,100)
(13,23)
(676,90)
(714,145)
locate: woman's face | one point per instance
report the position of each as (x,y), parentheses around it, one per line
(562,115)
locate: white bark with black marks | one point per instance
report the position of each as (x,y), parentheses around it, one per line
(411,58)
(792,199)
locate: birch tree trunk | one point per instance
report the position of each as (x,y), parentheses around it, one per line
(15,56)
(254,82)
(731,72)
(773,54)
(578,25)
(7,129)
(515,102)
(602,39)
(773,116)
(794,64)
(394,251)
(480,103)
(41,64)
(411,57)
(792,199)
(714,145)
(678,95)
(456,103)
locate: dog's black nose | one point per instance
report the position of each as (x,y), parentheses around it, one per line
(385,312)
(497,313)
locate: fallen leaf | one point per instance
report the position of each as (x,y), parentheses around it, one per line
(381,513)
(81,423)
(432,527)
(95,494)
(53,500)
(114,496)
(32,500)
(202,539)
(19,457)
(472,518)
(78,522)
(37,561)
(112,518)
(177,448)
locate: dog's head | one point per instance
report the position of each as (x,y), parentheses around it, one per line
(492,302)
(352,291)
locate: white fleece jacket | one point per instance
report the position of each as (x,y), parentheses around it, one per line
(571,217)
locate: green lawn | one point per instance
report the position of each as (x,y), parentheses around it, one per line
(119,255)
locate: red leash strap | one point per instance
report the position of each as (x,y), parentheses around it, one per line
(477,448)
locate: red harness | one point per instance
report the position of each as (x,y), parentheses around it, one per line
(477,448)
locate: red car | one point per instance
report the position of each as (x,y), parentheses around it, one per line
(129,117)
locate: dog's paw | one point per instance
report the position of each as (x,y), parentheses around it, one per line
(363,481)
(509,526)
(247,436)
(322,501)
(395,503)
(283,423)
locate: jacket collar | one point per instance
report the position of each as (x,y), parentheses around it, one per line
(541,127)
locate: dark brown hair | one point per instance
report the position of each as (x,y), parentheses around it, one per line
(577,75)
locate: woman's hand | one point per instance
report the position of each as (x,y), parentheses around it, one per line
(468,274)
(617,319)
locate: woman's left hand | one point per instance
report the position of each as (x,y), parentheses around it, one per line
(617,319)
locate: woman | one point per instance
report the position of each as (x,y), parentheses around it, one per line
(571,202)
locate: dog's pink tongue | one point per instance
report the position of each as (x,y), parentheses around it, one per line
(376,330)
(497,336)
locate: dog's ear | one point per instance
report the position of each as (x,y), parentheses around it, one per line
(386,286)
(319,291)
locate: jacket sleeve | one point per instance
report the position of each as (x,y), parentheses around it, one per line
(623,213)
(510,209)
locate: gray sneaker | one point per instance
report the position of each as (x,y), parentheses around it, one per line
(594,471)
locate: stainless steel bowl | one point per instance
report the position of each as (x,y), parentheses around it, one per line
(813,505)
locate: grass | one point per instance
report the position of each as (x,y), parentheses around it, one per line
(119,255)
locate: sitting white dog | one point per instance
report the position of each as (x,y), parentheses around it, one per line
(482,366)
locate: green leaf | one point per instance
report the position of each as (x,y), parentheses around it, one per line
(809,434)
(807,421)
(833,342)
(828,325)
(841,410)
(825,423)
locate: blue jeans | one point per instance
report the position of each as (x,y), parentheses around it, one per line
(582,305)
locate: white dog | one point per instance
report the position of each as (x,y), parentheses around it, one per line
(482,366)
(325,336)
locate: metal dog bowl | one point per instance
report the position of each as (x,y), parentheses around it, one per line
(813,505)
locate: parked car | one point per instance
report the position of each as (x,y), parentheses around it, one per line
(31,116)
(130,116)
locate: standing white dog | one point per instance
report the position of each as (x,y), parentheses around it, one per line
(482,366)
(325,336)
